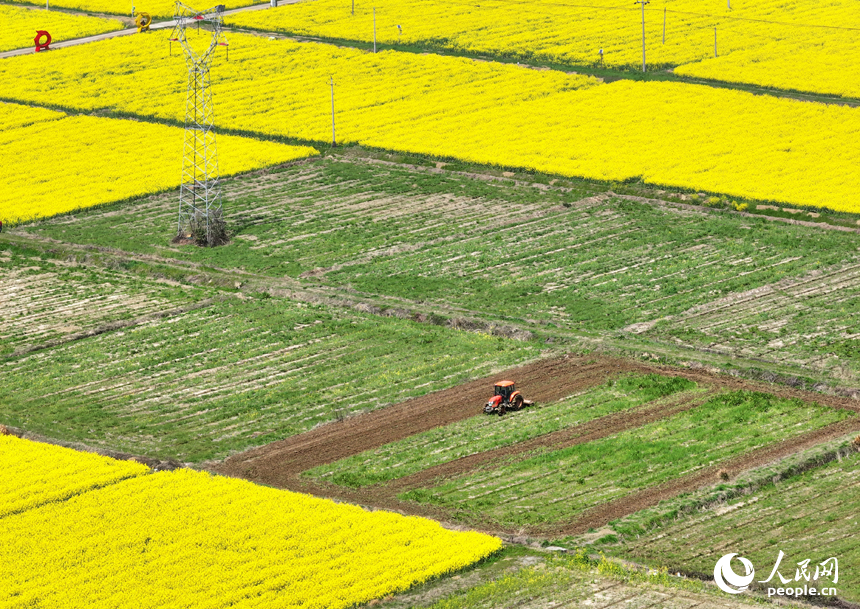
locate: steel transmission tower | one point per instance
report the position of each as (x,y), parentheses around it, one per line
(200,214)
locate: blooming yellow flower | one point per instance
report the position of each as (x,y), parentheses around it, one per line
(53,163)
(670,134)
(44,473)
(188,539)
(765,42)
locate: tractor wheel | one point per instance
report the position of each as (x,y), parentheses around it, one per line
(501,410)
(518,403)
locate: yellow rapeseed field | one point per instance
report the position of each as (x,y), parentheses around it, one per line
(34,474)
(762,41)
(188,539)
(14,116)
(156,8)
(666,133)
(74,162)
(266,82)
(18,26)
(823,67)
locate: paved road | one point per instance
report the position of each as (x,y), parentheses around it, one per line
(155,26)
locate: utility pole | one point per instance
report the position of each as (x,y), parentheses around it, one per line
(664,25)
(374,29)
(715,41)
(643,3)
(331,82)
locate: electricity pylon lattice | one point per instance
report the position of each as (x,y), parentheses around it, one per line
(200,213)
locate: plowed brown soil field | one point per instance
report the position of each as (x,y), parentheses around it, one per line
(281,463)
(542,381)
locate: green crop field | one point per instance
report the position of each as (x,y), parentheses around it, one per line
(578,581)
(810,516)
(319,215)
(570,262)
(44,301)
(479,434)
(553,485)
(237,373)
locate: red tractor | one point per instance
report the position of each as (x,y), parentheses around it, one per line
(506,398)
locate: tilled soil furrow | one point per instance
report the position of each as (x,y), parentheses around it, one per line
(595,429)
(543,381)
(598,516)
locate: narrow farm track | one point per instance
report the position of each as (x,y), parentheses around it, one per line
(280,464)
(544,381)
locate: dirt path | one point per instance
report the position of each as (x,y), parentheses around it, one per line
(281,463)
(599,516)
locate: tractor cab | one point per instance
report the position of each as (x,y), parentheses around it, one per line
(505,389)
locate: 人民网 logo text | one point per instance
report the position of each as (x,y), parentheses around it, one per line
(809,580)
